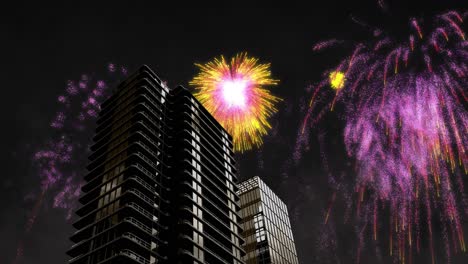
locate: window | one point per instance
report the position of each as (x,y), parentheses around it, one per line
(196,198)
(197,238)
(260,235)
(198,253)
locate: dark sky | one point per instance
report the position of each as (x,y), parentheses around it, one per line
(45,45)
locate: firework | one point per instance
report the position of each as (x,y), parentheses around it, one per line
(406,126)
(337,80)
(235,94)
(59,159)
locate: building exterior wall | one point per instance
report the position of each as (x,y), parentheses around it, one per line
(266,226)
(161,186)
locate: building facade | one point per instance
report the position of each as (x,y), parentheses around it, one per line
(161,186)
(266,226)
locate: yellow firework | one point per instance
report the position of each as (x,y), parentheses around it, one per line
(337,80)
(235,93)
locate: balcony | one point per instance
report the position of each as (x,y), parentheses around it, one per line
(140,209)
(138,224)
(137,240)
(132,255)
(142,196)
(145,184)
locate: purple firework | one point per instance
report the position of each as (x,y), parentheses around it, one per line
(406,125)
(60,160)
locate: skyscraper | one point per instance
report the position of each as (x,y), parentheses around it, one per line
(161,186)
(266,227)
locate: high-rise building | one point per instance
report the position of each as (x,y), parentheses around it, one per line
(266,227)
(161,186)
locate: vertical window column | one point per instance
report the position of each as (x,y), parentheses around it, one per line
(198,252)
(231,198)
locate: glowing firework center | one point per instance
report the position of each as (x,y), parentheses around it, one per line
(234,93)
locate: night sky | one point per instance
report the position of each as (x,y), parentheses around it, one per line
(44,46)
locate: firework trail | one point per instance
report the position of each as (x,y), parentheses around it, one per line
(406,126)
(234,93)
(57,160)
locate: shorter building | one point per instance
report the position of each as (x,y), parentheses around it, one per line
(265,223)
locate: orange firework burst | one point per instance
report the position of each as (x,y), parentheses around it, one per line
(235,94)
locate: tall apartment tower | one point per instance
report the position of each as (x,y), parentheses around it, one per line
(161,186)
(266,227)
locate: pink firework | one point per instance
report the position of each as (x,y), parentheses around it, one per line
(60,159)
(406,126)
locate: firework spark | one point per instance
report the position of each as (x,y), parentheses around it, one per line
(59,159)
(406,126)
(337,80)
(234,93)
